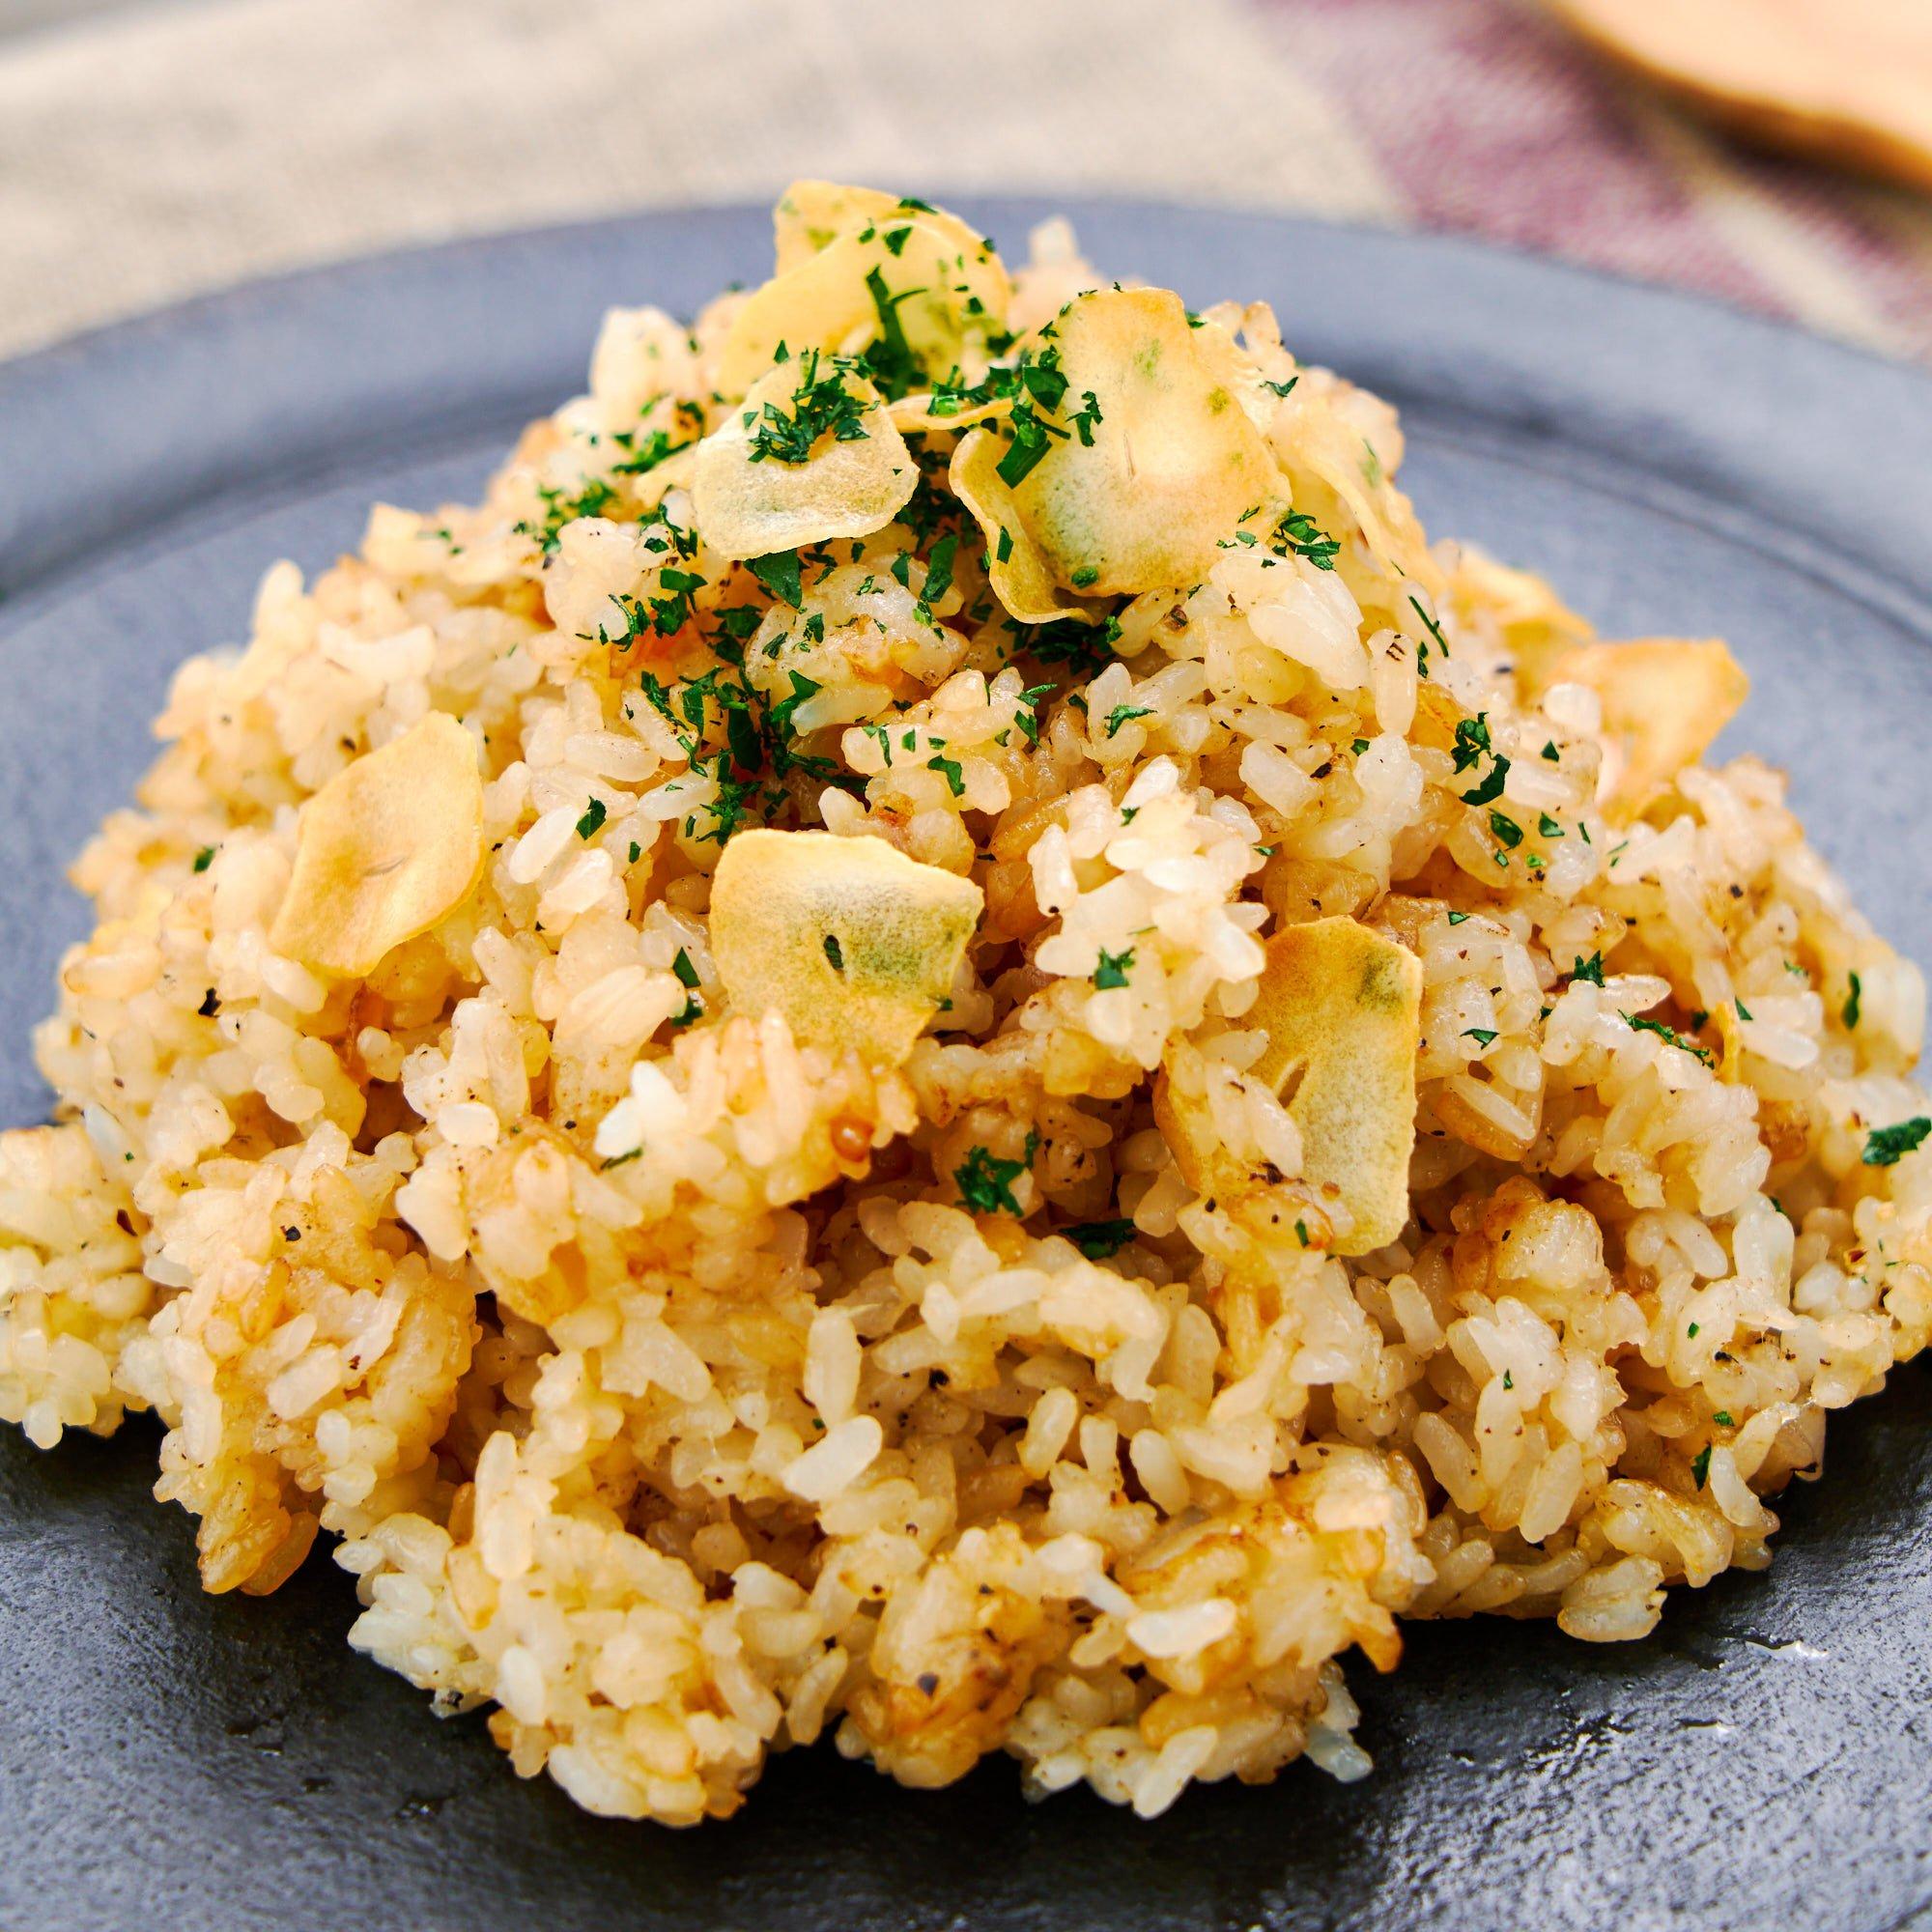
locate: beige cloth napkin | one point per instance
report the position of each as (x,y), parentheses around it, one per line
(146,156)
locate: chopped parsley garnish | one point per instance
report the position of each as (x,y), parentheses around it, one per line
(594,814)
(1482,1036)
(1098,1240)
(954,777)
(1434,630)
(1456,917)
(834,953)
(985,1185)
(618,1160)
(1085,649)
(687,973)
(1700,1464)
(821,405)
(1281,389)
(1113,969)
(1664,1033)
(1507,832)
(1548,826)
(204,859)
(1590,969)
(890,361)
(1885,1147)
(592,500)
(1299,535)
(1723,1419)
(1850,1013)
(1122,714)
(1744,1011)
(939,568)
(1027,717)
(1031,439)
(1551,751)
(778,573)
(1472,740)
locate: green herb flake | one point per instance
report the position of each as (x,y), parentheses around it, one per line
(1472,740)
(1850,1012)
(1671,1035)
(985,1185)
(1097,1241)
(821,405)
(687,973)
(1744,1011)
(1482,1036)
(1885,1147)
(204,859)
(1551,751)
(1507,832)
(1113,969)
(1723,1419)
(779,574)
(1299,535)
(954,776)
(594,814)
(1700,1464)
(1590,969)
(1456,917)
(834,953)
(1122,714)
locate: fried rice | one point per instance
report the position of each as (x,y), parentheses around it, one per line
(933,1042)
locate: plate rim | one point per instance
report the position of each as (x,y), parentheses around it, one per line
(1869,521)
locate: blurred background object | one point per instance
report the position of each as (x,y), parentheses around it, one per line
(1848,81)
(152,147)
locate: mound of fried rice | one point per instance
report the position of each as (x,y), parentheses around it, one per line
(689,1373)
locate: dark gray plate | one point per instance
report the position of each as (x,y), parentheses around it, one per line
(170,1759)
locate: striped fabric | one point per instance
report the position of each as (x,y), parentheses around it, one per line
(159,149)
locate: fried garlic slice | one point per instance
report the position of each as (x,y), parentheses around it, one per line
(1151,460)
(925,288)
(750,499)
(853,942)
(1019,571)
(1664,700)
(811,214)
(1342,1008)
(386,848)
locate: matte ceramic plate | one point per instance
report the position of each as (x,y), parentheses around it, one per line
(168,1759)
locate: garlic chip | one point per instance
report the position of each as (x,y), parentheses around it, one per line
(1342,1010)
(1016,567)
(811,214)
(1665,699)
(810,455)
(1150,458)
(386,848)
(853,942)
(920,294)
